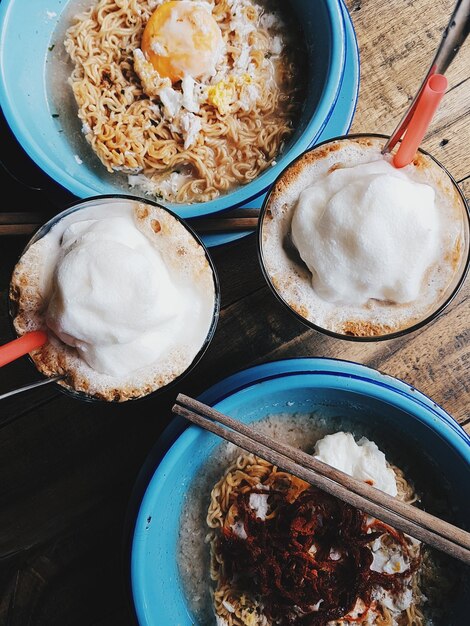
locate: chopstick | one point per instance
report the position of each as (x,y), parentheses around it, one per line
(236,220)
(21,222)
(423,526)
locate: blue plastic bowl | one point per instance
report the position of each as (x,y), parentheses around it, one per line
(395,409)
(26,34)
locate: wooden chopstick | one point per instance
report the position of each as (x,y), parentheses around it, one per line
(234,213)
(236,220)
(225,225)
(21,222)
(23,217)
(18,229)
(407,518)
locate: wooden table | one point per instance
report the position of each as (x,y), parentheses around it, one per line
(67,468)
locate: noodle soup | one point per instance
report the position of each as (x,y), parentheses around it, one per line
(240,559)
(182,101)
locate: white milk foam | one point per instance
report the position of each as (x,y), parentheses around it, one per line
(126,305)
(367,231)
(378,246)
(113,298)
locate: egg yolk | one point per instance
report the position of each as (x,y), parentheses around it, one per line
(181,39)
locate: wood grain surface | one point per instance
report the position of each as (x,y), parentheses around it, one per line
(67,468)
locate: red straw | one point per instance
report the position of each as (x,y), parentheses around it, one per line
(21,346)
(428,102)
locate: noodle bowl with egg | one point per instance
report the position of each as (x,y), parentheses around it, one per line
(189,99)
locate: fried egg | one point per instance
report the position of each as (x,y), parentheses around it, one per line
(181,39)
(224,93)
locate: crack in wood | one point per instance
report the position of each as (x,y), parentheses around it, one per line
(458,84)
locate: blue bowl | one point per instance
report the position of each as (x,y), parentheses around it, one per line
(401,417)
(28,31)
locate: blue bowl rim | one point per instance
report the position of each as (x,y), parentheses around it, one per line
(238,196)
(178,433)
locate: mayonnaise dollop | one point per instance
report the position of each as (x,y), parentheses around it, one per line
(367,232)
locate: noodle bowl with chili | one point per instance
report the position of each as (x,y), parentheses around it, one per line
(279,552)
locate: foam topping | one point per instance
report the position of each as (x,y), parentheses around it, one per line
(113,298)
(367,232)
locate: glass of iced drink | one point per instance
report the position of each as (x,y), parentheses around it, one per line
(126,292)
(359,249)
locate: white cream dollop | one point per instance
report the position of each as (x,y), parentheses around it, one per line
(367,232)
(113,298)
(362,460)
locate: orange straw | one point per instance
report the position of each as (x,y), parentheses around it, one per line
(428,102)
(21,346)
